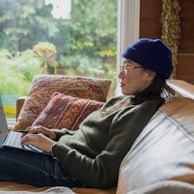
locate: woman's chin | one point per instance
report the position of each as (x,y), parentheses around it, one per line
(123,92)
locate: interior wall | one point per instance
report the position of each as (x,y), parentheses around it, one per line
(150,27)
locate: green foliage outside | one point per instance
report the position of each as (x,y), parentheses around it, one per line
(17,72)
(85,44)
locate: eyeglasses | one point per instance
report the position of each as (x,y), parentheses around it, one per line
(124,69)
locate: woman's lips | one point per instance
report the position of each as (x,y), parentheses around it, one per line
(121,84)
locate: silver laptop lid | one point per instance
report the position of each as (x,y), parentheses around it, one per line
(3,124)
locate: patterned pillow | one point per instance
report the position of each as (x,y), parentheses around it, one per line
(64,111)
(43,86)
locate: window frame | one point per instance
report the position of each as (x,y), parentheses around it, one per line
(128,25)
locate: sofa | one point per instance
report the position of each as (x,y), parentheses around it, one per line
(161,159)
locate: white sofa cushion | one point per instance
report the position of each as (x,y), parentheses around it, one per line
(164,150)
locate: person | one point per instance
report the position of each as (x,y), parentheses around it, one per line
(91,156)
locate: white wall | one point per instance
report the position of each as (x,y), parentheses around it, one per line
(127,25)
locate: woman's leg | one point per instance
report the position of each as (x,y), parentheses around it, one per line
(33,168)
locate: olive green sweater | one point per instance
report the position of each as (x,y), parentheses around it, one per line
(93,153)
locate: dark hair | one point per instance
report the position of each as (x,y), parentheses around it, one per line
(157,89)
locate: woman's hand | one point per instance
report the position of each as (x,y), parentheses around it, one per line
(40,137)
(40,129)
(39,140)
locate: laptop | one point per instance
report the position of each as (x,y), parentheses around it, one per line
(13,138)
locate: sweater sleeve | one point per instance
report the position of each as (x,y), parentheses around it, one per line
(61,132)
(102,171)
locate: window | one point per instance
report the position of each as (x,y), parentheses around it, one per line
(84,37)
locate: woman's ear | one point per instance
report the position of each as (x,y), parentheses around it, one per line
(152,74)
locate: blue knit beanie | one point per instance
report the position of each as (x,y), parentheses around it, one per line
(152,54)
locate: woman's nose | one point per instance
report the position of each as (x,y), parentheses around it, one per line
(121,75)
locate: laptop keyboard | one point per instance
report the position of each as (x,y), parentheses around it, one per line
(14,140)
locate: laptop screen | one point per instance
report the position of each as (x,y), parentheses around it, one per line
(3,124)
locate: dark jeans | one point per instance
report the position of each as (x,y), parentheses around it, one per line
(33,168)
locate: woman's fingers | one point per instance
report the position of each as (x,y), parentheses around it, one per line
(39,140)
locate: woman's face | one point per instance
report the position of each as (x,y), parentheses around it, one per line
(134,78)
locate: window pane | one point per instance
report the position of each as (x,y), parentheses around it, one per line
(82,32)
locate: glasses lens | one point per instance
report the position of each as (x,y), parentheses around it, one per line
(123,70)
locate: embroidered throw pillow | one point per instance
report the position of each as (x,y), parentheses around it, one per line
(64,111)
(43,86)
